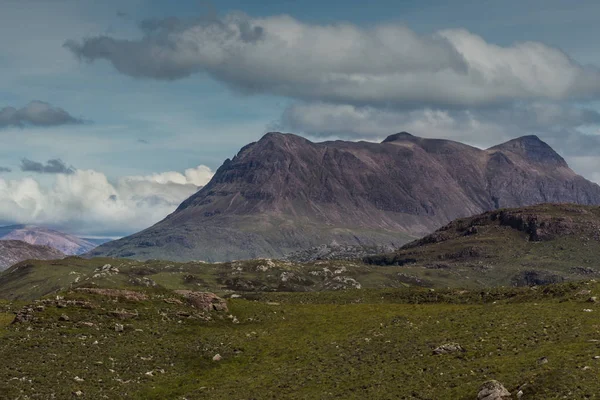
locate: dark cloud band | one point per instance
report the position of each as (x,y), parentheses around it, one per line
(54,166)
(36,113)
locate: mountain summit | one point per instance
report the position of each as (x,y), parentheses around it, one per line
(285,193)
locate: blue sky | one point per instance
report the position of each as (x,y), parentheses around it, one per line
(475,71)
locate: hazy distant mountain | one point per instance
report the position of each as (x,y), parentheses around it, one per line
(14,251)
(68,244)
(96,241)
(284,193)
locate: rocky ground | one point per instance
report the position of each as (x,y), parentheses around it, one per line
(148,343)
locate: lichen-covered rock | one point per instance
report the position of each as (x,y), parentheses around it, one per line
(204,301)
(493,390)
(448,348)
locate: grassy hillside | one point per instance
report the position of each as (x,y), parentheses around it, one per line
(355,344)
(514,247)
(541,244)
(33,279)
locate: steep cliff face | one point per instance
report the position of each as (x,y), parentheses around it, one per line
(285,193)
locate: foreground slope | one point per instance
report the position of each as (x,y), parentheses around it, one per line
(346,345)
(284,193)
(15,251)
(68,244)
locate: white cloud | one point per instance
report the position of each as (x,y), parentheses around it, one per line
(86,202)
(343,63)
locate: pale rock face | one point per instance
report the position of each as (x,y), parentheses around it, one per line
(284,193)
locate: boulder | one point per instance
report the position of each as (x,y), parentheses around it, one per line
(204,301)
(493,390)
(448,348)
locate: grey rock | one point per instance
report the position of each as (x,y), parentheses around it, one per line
(448,348)
(493,390)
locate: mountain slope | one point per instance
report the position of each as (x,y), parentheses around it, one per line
(285,193)
(15,251)
(67,244)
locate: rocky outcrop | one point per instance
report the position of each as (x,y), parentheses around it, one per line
(284,193)
(335,251)
(543,222)
(204,301)
(15,251)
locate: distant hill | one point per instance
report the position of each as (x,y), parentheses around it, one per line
(15,251)
(67,244)
(542,244)
(285,194)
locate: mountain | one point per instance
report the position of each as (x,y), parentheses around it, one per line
(284,193)
(67,244)
(15,251)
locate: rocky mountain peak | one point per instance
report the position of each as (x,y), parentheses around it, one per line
(399,136)
(533,149)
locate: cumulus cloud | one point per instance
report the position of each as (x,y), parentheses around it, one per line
(86,202)
(384,65)
(36,113)
(5,169)
(54,166)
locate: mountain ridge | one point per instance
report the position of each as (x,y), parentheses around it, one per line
(37,235)
(285,193)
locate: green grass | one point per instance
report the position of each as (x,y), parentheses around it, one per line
(374,344)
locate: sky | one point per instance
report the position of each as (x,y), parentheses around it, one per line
(113,112)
